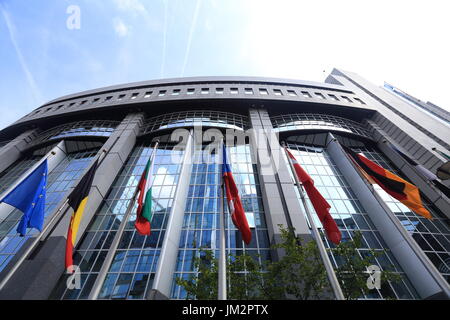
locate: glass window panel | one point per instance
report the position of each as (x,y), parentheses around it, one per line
(120,290)
(201,223)
(433,243)
(130,262)
(108,286)
(87,286)
(138,286)
(132,256)
(337,192)
(145,261)
(117,261)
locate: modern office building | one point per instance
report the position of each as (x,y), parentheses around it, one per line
(121,124)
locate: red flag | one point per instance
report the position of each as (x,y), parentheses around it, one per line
(319,203)
(234,202)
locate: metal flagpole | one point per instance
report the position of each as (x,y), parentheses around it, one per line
(55,219)
(95,291)
(323,252)
(222,288)
(31,246)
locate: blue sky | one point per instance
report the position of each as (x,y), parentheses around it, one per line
(120,41)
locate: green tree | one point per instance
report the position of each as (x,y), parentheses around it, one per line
(298,274)
(203,285)
(352,268)
(244,276)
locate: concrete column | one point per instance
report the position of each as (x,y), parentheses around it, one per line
(118,147)
(430,191)
(421,272)
(162,284)
(39,274)
(281,205)
(13,150)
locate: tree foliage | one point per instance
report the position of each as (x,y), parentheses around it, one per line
(244,276)
(204,285)
(352,268)
(298,274)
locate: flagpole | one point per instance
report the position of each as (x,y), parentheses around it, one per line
(222,272)
(56,217)
(323,252)
(31,247)
(25,175)
(95,291)
(100,158)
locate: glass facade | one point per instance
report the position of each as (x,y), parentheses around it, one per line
(316,121)
(135,261)
(96,128)
(11,174)
(350,216)
(201,217)
(196,118)
(60,180)
(133,268)
(433,236)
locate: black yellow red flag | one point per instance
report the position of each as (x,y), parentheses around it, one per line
(398,188)
(77,200)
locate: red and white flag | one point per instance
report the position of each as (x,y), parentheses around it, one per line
(234,202)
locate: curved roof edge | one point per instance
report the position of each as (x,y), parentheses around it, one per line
(191,80)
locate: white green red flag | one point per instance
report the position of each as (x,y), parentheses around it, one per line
(144,210)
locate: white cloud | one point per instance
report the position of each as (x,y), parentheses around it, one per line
(121,29)
(394,41)
(131,5)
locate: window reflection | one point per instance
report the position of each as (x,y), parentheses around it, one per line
(201,217)
(311,121)
(349,216)
(100,128)
(59,182)
(134,264)
(196,118)
(433,236)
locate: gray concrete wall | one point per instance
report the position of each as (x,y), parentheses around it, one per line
(411,128)
(167,262)
(397,110)
(281,205)
(147,95)
(12,151)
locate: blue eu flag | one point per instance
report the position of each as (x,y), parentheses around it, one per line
(29,197)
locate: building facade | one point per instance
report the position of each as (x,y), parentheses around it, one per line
(120,125)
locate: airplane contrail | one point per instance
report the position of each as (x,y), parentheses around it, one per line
(191,32)
(163,62)
(30,79)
